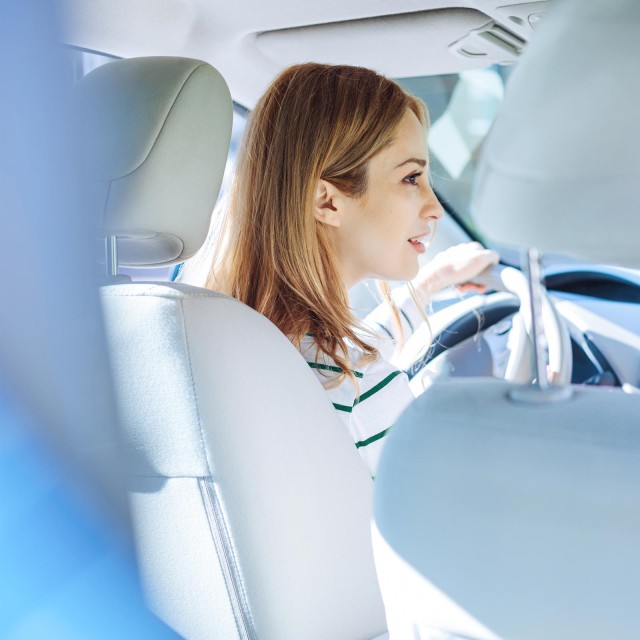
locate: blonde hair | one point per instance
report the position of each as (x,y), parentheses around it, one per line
(314,122)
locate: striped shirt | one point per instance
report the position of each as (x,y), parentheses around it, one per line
(384,390)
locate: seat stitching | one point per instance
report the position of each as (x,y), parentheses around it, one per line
(193,386)
(217,525)
(156,294)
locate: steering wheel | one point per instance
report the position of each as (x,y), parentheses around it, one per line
(474,315)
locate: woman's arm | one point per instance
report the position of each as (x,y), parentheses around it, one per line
(456,266)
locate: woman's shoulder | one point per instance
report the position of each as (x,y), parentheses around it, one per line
(368,371)
(369,408)
(323,362)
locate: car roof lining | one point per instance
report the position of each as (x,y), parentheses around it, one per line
(249,47)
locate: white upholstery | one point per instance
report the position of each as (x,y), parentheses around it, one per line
(214,398)
(559,170)
(511,519)
(498,519)
(251,506)
(157,132)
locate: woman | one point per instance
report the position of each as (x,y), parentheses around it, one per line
(331,188)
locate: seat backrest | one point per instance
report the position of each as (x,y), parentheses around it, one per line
(496,518)
(250,503)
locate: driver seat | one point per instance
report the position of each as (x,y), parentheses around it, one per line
(250,504)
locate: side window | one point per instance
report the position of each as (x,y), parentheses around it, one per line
(240,115)
(82,62)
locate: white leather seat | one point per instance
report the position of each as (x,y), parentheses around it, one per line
(250,504)
(560,171)
(500,519)
(495,518)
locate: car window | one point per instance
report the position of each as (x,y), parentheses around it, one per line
(82,61)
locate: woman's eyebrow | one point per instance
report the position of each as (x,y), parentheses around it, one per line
(420,161)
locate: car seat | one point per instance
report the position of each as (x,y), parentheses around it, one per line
(250,504)
(497,518)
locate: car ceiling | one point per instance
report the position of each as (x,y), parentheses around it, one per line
(250,42)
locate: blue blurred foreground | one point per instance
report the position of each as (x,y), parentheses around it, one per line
(66,567)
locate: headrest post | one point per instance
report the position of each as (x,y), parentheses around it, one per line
(541,391)
(534,279)
(111,255)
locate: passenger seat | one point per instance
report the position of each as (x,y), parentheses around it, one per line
(250,504)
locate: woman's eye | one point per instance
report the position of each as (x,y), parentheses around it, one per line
(413,178)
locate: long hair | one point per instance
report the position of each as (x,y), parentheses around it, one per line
(314,122)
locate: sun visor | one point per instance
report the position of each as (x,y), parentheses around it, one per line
(404,45)
(560,170)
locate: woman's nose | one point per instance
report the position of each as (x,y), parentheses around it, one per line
(431,207)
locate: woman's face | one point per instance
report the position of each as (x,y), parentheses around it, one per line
(381,234)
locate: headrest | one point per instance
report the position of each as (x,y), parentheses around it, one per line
(560,169)
(157,135)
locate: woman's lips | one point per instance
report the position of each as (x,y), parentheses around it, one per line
(417,243)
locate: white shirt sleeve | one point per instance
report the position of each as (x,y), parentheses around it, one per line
(370,410)
(384,395)
(381,321)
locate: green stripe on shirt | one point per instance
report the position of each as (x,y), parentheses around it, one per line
(328,367)
(406,317)
(376,388)
(342,407)
(364,443)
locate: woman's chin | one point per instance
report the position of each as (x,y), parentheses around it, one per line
(412,272)
(398,272)
(403,275)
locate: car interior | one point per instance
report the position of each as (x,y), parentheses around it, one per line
(506,502)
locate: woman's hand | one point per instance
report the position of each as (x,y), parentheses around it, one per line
(457,265)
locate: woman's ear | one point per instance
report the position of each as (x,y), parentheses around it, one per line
(325,207)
